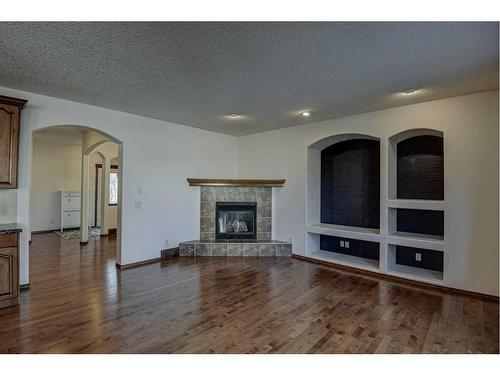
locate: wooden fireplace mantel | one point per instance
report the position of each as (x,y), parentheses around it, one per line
(235,182)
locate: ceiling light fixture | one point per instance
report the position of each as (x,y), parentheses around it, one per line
(306,114)
(233,116)
(410,91)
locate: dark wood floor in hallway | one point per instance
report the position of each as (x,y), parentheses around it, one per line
(79,303)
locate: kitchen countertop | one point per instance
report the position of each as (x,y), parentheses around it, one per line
(10,228)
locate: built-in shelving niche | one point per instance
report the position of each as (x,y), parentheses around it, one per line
(350,183)
(343,195)
(416,165)
(416,216)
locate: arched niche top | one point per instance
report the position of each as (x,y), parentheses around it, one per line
(404,135)
(416,165)
(328,141)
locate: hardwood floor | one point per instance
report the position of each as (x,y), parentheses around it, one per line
(79,303)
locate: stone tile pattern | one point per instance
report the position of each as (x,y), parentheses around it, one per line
(261,249)
(212,194)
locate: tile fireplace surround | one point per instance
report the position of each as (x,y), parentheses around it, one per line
(211,194)
(207,245)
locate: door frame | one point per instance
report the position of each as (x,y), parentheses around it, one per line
(97,166)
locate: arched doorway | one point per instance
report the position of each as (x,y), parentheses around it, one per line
(94,148)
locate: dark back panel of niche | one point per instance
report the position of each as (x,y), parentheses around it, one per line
(350,183)
(420,221)
(420,170)
(359,248)
(431,259)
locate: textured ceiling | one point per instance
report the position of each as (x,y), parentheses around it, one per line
(195,73)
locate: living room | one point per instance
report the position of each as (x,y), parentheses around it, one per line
(249,187)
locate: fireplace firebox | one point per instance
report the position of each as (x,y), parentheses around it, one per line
(236,220)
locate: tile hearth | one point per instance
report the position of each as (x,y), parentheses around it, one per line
(235,248)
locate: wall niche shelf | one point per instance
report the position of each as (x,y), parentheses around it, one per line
(346,260)
(418,204)
(416,274)
(356,233)
(423,241)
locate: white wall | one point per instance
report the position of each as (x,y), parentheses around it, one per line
(8,206)
(56,166)
(158,156)
(470,126)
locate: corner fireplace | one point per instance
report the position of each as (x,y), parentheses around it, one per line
(235,220)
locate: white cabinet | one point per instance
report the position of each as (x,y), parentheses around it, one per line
(71,203)
(70,209)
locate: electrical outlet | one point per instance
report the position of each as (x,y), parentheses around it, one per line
(346,244)
(418,257)
(341,243)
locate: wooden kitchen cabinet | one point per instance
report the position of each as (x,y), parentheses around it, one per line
(10,120)
(9,267)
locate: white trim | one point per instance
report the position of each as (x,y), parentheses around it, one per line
(357,233)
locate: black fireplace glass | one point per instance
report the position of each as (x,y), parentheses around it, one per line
(236,220)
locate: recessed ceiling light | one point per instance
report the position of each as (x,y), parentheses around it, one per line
(233,116)
(306,114)
(410,91)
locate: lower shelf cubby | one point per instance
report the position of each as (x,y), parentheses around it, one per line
(352,247)
(421,258)
(420,264)
(354,252)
